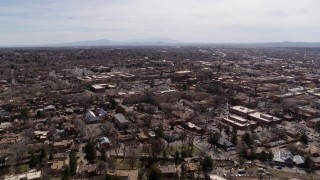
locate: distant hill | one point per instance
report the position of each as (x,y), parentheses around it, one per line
(171,42)
(293,44)
(166,41)
(134,42)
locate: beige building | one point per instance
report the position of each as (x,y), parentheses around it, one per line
(238,122)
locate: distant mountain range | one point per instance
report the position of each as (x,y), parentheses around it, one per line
(288,44)
(134,42)
(171,42)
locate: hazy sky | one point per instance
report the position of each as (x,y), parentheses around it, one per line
(55,21)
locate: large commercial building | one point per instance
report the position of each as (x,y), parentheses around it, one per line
(238,122)
(241,111)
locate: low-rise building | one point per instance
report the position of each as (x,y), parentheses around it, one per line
(238,122)
(120,121)
(241,110)
(264,119)
(311,123)
(168,171)
(103,142)
(283,157)
(32,174)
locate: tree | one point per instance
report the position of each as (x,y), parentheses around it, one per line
(159,132)
(252,154)
(317,126)
(66,173)
(43,155)
(157,146)
(24,112)
(242,149)
(34,161)
(202,131)
(246,138)
(304,138)
(234,139)
(184,153)
(184,87)
(207,164)
(190,141)
(73,163)
(153,174)
(183,136)
(164,155)
(90,152)
(214,138)
(176,157)
(227,131)
(110,177)
(113,103)
(133,156)
(183,171)
(270,155)
(103,156)
(263,156)
(308,163)
(117,147)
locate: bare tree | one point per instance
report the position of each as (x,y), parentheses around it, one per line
(157,147)
(146,149)
(190,140)
(183,137)
(124,150)
(133,156)
(18,151)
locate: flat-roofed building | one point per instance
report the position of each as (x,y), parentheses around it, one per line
(120,121)
(238,122)
(170,95)
(241,110)
(264,119)
(132,98)
(98,87)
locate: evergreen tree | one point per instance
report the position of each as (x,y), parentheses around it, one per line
(66,173)
(159,132)
(207,163)
(73,163)
(252,154)
(308,163)
(24,112)
(90,152)
(183,171)
(34,161)
(317,125)
(43,155)
(246,138)
(103,156)
(184,154)
(234,137)
(176,157)
(270,155)
(304,138)
(50,156)
(264,156)
(153,174)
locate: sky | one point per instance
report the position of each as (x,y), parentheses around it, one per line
(34,22)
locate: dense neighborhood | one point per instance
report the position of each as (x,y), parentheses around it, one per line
(167,112)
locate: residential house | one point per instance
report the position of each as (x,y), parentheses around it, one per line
(168,171)
(283,157)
